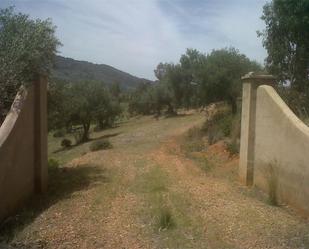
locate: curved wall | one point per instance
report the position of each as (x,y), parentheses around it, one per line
(23,146)
(281,150)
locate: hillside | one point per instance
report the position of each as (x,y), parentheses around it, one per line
(73,70)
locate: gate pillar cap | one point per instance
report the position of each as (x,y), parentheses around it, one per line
(261,78)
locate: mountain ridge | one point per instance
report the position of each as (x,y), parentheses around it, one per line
(68,69)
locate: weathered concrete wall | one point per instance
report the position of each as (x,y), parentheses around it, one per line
(281,152)
(248,114)
(23,149)
(274,144)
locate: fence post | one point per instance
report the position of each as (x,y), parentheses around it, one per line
(40,134)
(251,82)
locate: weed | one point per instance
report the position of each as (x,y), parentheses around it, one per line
(165,219)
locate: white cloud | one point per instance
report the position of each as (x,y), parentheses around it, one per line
(135,35)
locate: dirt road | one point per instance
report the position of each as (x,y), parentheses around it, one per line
(145,193)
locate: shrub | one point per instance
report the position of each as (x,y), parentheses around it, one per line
(66,143)
(233,145)
(100,145)
(218,126)
(59,133)
(53,164)
(225,124)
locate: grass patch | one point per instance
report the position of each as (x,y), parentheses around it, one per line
(102,144)
(153,186)
(151,182)
(167,215)
(166,219)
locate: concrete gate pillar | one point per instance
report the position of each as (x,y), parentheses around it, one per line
(40,134)
(251,82)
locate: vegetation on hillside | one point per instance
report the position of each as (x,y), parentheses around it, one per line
(196,81)
(67,69)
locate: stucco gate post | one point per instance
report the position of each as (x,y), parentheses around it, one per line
(40,134)
(251,82)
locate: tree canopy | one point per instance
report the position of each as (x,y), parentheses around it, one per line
(197,80)
(81,103)
(286,39)
(27,49)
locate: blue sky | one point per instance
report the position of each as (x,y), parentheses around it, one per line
(135,35)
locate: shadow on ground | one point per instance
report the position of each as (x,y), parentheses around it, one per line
(90,140)
(63,182)
(106,136)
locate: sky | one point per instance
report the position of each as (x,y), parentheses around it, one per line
(135,35)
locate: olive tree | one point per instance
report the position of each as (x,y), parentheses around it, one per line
(286,39)
(27,50)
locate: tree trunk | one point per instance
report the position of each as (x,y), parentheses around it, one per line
(234,107)
(86,127)
(170,110)
(233,103)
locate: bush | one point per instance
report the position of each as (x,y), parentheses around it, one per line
(53,163)
(66,143)
(59,133)
(100,145)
